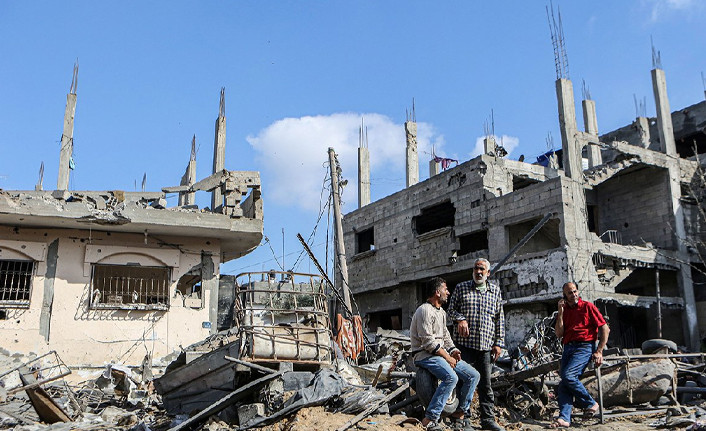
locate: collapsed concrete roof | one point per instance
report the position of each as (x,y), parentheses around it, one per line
(129,212)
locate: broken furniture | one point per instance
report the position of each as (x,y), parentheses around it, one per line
(32,376)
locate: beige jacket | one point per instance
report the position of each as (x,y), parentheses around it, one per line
(429,333)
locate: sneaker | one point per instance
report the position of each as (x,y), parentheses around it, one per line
(435,426)
(491,425)
(461,425)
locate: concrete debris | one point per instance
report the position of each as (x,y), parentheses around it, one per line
(222,388)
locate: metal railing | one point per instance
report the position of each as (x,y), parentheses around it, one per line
(611,236)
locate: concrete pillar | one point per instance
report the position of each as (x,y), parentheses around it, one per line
(67,135)
(643,127)
(498,242)
(189,178)
(571,146)
(590,123)
(210,283)
(364,177)
(48,297)
(219,150)
(553,161)
(668,146)
(664,114)
(433,168)
(410,128)
(489,145)
(684,280)
(39,186)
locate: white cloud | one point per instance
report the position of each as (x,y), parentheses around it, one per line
(292,153)
(507,142)
(660,7)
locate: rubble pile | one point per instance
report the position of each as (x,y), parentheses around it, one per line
(273,370)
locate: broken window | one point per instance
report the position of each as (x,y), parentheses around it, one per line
(365,240)
(189,286)
(388,319)
(592,218)
(130,286)
(546,238)
(15,282)
(474,241)
(520,182)
(434,217)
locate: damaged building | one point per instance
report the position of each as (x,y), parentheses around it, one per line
(610,211)
(101,276)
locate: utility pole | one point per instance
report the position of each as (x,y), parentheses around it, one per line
(338,220)
(659,304)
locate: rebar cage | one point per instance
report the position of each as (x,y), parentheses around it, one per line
(283,316)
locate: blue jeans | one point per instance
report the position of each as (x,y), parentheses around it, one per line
(574,361)
(448,378)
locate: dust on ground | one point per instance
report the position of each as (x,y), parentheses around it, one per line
(317,419)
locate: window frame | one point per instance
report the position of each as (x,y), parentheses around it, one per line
(22,304)
(164,293)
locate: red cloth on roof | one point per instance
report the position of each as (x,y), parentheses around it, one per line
(581,323)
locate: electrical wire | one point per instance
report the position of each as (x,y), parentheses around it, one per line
(322,208)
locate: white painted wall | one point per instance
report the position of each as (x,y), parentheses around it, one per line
(83,336)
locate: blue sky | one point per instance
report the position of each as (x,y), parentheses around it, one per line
(300,75)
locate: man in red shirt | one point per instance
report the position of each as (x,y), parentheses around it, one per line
(579,324)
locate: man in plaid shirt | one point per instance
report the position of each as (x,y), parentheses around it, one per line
(476,308)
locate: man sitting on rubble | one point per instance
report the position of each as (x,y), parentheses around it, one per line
(434,351)
(579,324)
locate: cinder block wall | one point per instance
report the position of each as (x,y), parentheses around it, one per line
(637,205)
(481,193)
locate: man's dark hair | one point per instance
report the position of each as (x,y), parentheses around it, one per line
(432,286)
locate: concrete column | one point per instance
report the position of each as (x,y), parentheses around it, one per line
(553,161)
(664,113)
(189,177)
(410,128)
(489,145)
(40,181)
(498,242)
(48,297)
(668,146)
(433,168)
(571,146)
(590,123)
(684,280)
(67,136)
(364,177)
(219,150)
(643,126)
(210,283)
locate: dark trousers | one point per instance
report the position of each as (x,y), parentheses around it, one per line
(481,361)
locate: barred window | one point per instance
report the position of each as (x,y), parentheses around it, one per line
(15,283)
(130,287)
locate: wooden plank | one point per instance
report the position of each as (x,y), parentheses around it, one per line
(224,402)
(47,409)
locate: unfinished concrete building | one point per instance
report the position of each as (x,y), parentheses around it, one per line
(114,276)
(615,218)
